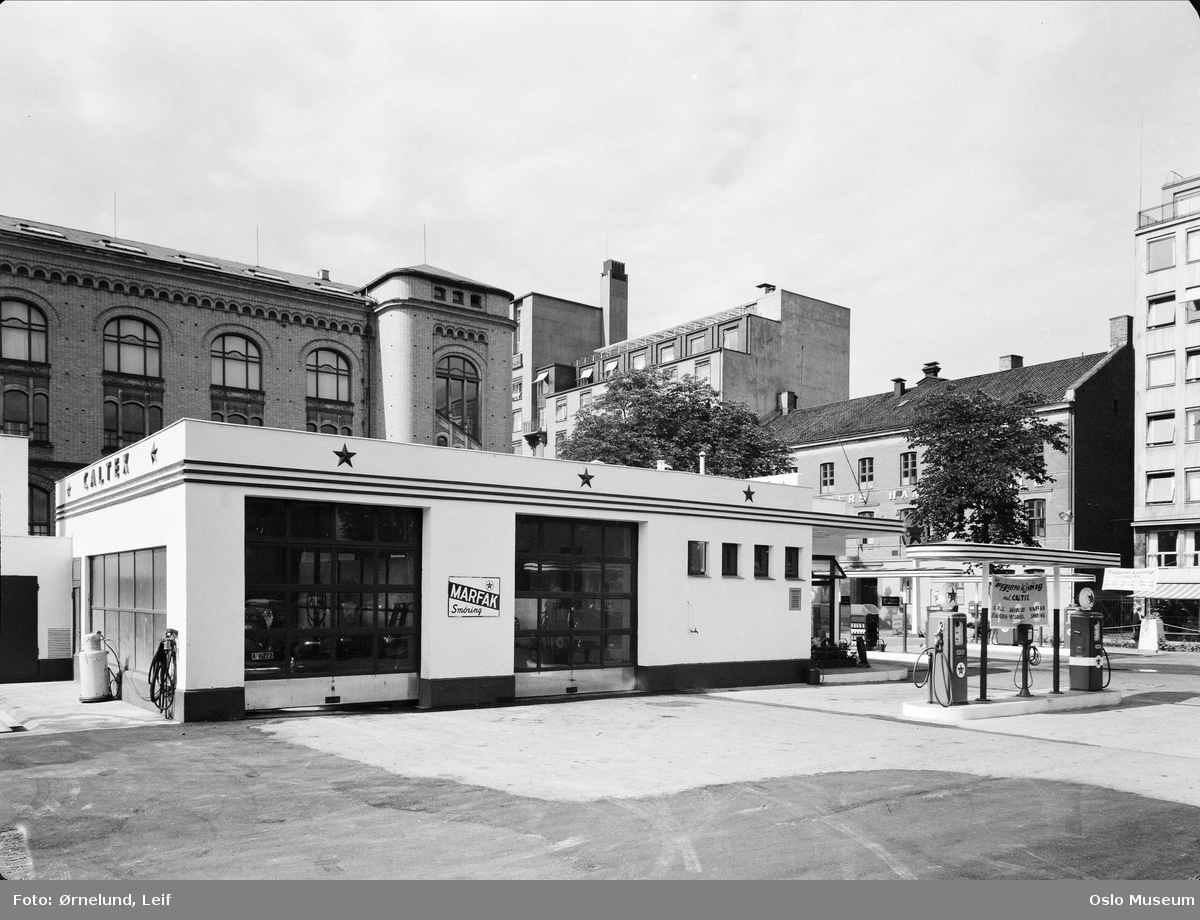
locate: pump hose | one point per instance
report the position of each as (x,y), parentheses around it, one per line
(917,682)
(1035,658)
(114,677)
(943,672)
(1107,668)
(162,679)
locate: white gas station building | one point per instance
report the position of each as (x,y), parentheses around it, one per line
(304,569)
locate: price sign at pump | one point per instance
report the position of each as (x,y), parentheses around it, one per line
(1018,599)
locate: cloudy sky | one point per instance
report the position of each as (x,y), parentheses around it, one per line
(963,176)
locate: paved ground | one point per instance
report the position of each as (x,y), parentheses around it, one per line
(783,782)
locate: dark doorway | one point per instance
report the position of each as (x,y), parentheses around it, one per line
(18,628)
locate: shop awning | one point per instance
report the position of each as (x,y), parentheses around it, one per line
(1171,592)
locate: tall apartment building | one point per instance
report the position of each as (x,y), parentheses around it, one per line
(775,353)
(1167,441)
(103,341)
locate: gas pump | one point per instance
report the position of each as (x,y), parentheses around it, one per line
(1025,640)
(946,647)
(1088,657)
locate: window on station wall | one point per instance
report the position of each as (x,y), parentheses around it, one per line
(327,375)
(330,589)
(866,471)
(762,561)
(827,480)
(697,557)
(791,562)
(22,332)
(576,590)
(236,363)
(456,394)
(1035,517)
(1160,253)
(41,512)
(729,559)
(908,468)
(128,602)
(1161,311)
(132,347)
(129,421)
(1160,428)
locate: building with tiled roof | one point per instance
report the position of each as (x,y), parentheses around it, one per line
(855,452)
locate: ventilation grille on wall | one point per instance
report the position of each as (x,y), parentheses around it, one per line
(59,642)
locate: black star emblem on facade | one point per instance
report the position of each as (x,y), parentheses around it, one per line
(749,494)
(154,453)
(344,456)
(585,478)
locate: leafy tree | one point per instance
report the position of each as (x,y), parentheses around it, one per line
(977,450)
(645,416)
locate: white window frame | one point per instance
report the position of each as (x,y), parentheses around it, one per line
(1162,243)
(1164,360)
(1160,428)
(1161,311)
(1167,478)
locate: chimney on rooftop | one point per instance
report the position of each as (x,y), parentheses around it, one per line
(931,370)
(765,288)
(1008,362)
(898,388)
(323,274)
(614,302)
(1120,331)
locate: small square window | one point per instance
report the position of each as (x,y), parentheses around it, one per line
(762,561)
(610,367)
(1160,370)
(697,560)
(1162,312)
(1160,429)
(1160,253)
(560,410)
(791,562)
(1160,488)
(729,559)
(908,468)
(1193,425)
(476,300)
(666,353)
(458,296)
(639,361)
(697,344)
(439,293)
(730,339)
(585,398)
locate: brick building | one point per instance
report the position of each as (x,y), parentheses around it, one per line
(105,341)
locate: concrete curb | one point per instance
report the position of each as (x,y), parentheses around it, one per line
(1010,706)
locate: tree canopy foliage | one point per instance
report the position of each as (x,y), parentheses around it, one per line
(978,449)
(645,416)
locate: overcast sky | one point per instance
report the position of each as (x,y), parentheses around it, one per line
(963,176)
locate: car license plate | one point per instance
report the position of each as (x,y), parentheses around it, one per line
(261,656)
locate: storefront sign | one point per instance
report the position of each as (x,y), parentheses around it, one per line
(1018,599)
(1139,581)
(470,596)
(106,472)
